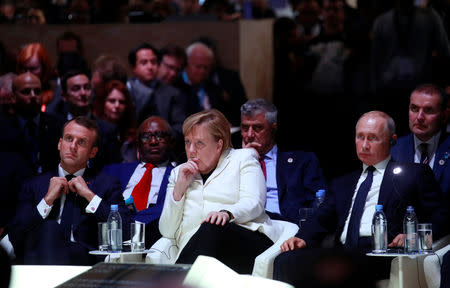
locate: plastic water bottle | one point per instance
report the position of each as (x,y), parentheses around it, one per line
(320,197)
(379,230)
(410,229)
(115,229)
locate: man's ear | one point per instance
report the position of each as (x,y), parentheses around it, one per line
(94,151)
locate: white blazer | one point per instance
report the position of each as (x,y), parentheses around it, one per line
(237,185)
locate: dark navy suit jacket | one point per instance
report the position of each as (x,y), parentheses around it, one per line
(412,184)
(404,151)
(124,171)
(299,176)
(84,227)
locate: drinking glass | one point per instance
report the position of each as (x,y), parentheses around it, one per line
(425,237)
(137,237)
(305,214)
(103,238)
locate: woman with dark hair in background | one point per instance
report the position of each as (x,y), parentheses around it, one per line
(115,106)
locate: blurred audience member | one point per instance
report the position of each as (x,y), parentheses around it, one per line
(104,69)
(308,19)
(29,131)
(7,99)
(173,61)
(406,39)
(115,106)
(34,58)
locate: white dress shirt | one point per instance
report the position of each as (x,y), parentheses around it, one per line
(157,177)
(365,228)
(44,209)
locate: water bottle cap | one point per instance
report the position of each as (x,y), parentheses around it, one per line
(410,209)
(114,207)
(379,207)
(320,193)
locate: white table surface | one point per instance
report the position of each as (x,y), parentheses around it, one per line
(43,276)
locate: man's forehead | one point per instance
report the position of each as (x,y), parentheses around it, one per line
(144,53)
(27,79)
(254,118)
(154,125)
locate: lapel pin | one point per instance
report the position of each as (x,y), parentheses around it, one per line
(397,170)
(441,162)
(290,160)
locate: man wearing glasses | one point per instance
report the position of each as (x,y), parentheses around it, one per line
(27,130)
(144,182)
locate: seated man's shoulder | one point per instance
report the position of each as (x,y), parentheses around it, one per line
(294,156)
(118,168)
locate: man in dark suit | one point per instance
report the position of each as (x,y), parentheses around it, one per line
(428,141)
(201,92)
(29,131)
(77,101)
(292,177)
(58,212)
(155,144)
(150,96)
(350,203)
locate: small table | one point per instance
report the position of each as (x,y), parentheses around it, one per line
(121,257)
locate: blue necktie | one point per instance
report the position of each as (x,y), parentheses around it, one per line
(358,209)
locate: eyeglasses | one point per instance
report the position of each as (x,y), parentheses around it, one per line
(27,91)
(147,136)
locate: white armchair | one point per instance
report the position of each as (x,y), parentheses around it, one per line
(165,250)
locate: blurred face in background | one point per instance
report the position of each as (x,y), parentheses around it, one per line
(199,65)
(33,66)
(114,106)
(169,69)
(28,94)
(146,67)
(79,91)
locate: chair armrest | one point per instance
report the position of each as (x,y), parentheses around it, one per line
(432,266)
(263,266)
(163,251)
(441,243)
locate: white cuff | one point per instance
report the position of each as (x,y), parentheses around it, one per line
(93,205)
(44,209)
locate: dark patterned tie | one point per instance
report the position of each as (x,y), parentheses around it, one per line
(358,209)
(424,153)
(68,210)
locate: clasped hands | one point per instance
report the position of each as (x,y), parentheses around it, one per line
(298,243)
(59,186)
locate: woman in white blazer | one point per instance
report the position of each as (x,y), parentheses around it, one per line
(215,201)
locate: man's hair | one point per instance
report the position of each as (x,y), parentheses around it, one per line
(216,124)
(132,55)
(110,68)
(68,35)
(197,45)
(431,89)
(71,74)
(390,124)
(174,51)
(260,105)
(86,123)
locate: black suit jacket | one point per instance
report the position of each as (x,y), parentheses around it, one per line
(13,139)
(28,219)
(403,184)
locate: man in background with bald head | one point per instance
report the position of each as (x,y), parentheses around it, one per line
(28,131)
(144,182)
